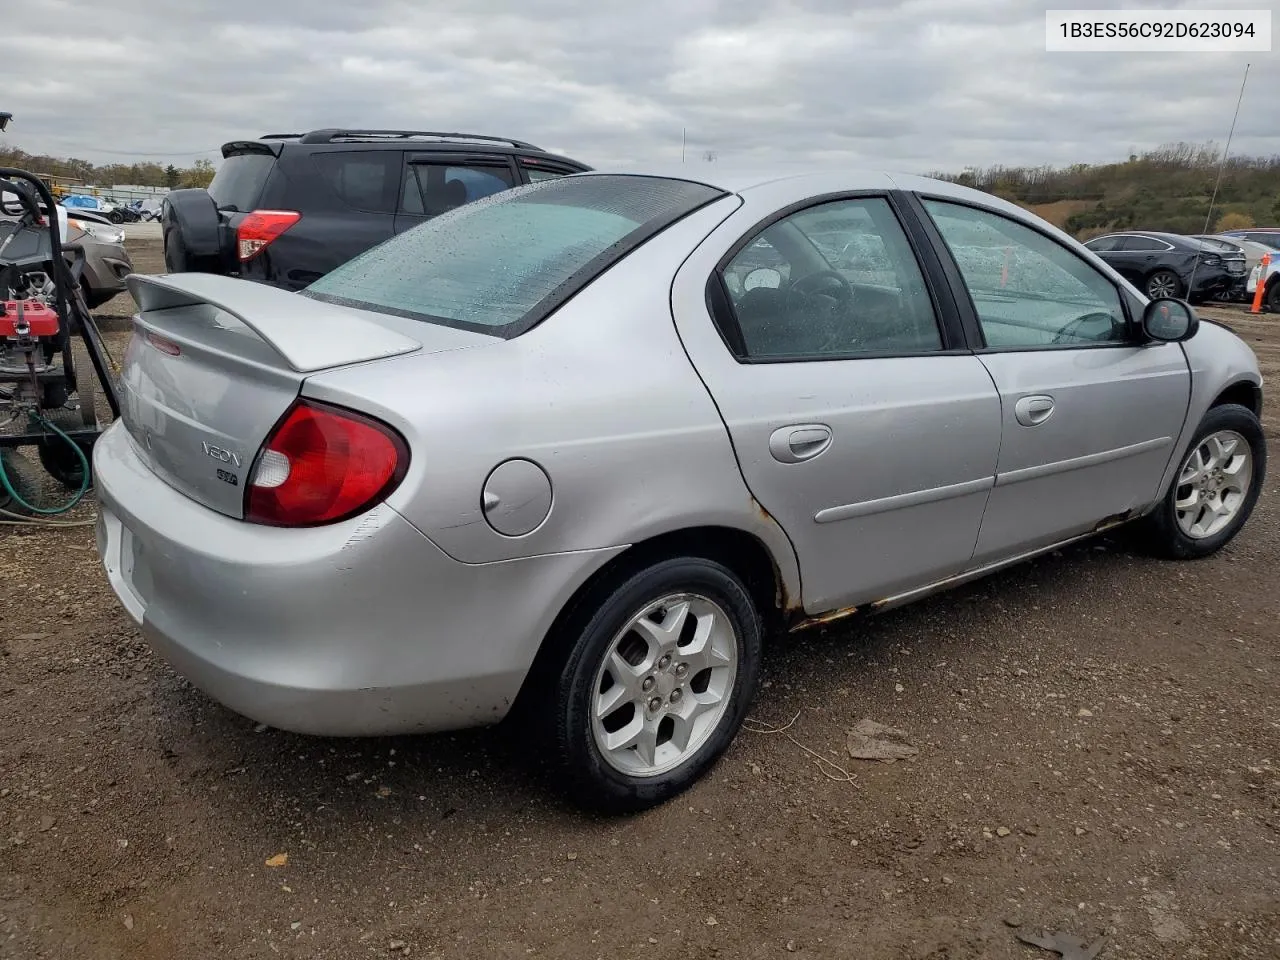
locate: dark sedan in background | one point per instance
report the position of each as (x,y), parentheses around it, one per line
(1169,265)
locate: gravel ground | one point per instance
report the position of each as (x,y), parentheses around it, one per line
(1099,755)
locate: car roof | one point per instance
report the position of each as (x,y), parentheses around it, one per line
(798,177)
(342,140)
(1149,234)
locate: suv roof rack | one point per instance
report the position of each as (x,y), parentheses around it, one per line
(280,136)
(332,135)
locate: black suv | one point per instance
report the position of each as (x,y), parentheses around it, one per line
(287,208)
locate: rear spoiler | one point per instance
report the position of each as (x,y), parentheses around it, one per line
(307,334)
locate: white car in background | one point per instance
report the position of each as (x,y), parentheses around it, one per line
(1270,284)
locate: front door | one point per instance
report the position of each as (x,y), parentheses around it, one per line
(1090,415)
(859,421)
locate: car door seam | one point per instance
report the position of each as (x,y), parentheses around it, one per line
(715,404)
(995,467)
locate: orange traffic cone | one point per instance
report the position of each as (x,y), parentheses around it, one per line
(1262,284)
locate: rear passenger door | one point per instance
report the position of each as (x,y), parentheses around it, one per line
(861,422)
(435,183)
(1141,255)
(354,212)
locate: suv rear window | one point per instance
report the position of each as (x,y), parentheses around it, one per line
(500,265)
(239,181)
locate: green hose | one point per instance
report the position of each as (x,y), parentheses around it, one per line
(75,499)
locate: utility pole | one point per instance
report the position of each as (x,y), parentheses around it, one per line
(684,140)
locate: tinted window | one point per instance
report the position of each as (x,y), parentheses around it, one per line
(1269,240)
(838,279)
(239,180)
(364,180)
(1027,289)
(501,264)
(1142,243)
(1103,244)
(431,189)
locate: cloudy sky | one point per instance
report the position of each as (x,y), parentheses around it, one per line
(913,85)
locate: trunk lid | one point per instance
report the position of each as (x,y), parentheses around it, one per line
(214,363)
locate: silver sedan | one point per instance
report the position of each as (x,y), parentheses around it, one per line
(577,448)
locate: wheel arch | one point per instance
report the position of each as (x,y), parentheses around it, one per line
(1243,392)
(742,552)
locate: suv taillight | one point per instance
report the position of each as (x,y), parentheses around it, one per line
(259,228)
(322,464)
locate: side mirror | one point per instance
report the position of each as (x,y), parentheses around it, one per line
(762,277)
(1169,321)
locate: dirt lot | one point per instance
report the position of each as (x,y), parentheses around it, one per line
(1099,754)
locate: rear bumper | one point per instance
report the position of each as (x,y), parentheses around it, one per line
(358,628)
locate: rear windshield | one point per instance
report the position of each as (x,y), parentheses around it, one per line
(501,264)
(238,183)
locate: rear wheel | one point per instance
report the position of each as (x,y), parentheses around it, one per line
(656,685)
(175,253)
(1272,298)
(1215,489)
(1163,284)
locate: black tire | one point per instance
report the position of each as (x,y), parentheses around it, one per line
(1162,278)
(591,780)
(1159,530)
(114,216)
(175,253)
(1272,298)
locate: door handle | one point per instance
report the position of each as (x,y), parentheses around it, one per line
(799,442)
(1033,411)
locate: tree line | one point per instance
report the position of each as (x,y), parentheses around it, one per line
(1168,188)
(140,174)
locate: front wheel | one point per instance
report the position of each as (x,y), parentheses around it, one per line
(1164,284)
(1272,298)
(1215,489)
(657,684)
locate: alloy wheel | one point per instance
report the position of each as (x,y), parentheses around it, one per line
(1213,484)
(664,685)
(1161,286)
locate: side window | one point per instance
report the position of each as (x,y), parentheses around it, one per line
(431,189)
(838,280)
(1143,243)
(412,201)
(1028,290)
(365,180)
(1103,244)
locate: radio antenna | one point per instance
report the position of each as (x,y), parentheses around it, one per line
(1222,166)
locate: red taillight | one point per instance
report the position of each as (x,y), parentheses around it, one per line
(323,464)
(260,227)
